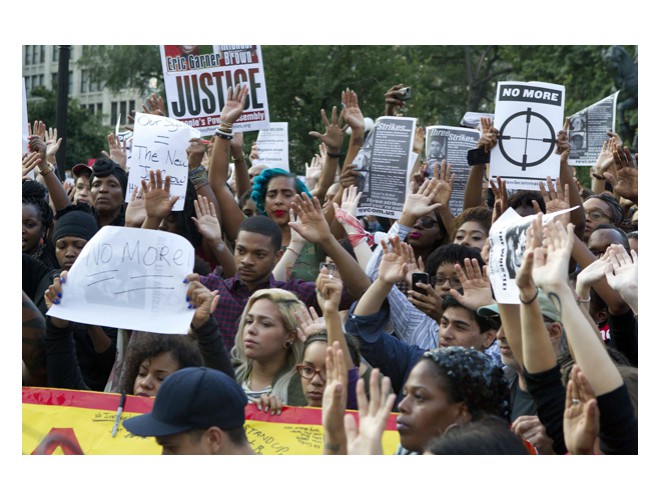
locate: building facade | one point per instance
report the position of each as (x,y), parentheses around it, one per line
(40,68)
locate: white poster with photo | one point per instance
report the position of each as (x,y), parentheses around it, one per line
(130,278)
(507,246)
(528,116)
(451,144)
(197,78)
(273,146)
(384,165)
(160,143)
(588,130)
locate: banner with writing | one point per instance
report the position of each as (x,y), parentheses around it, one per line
(160,143)
(130,278)
(58,421)
(196,81)
(588,131)
(273,146)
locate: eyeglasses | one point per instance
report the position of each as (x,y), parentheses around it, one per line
(308,372)
(596,214)
(329,266)
(426,222)
(441,280)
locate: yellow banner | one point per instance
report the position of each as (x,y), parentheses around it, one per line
(57,421)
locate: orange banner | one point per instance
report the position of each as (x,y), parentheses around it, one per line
(58,421)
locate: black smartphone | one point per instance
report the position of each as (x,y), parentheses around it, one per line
(420,278)
(477,156)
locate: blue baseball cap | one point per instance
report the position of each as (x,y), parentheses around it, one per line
(192,398)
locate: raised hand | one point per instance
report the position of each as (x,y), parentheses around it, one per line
(394,262)
(328,291)
(563,144)
(310,322)
(551,261)
(419,139)
(414,265)
(593,273)
(624,176)
(475,284)
(54,295)
(420,203)
(203,300)
(311,223)
(234,104)
(157,201)
(135,211)
(195,152)
(489,134)
(622,274)
(555,200)
(581,415)
(155,105)
(367,438)
(206,221)
(350,200)
(348,176)
(352,113)
(52,144)
(334,131)
(501,199)
(446,181)
(605,159)
(392,101)
(30,161)
(117,151)
(334,401)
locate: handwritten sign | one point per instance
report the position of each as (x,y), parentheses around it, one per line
(130,278)
(160,143)
(58,421)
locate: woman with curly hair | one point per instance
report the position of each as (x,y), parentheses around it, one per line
(471,227)
(449,386)
(37,220)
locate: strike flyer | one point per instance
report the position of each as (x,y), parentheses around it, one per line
(196,81)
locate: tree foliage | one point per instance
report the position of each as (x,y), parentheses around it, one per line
(86,137)
(447,80)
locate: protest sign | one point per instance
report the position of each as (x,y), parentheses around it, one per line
(588,130)
(57,421)
(451,144)
(528,116)
(160,143)
(130,278)
(196,81)
(384,164)
(507,246)
(24,135)
(473,120)
(273,146)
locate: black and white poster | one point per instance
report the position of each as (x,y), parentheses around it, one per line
(384,163)
(588,130)
(528,117)
(451,144)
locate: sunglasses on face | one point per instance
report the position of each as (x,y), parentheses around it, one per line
(308,372)
(426,222)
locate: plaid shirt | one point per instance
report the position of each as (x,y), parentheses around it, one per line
(234,295)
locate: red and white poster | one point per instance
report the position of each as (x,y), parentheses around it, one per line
(196,81)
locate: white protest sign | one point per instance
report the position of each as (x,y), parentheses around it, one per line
(273,146)
(507,245)
(160,143)
(197,78)
(24,136)
(528,117)
(588,130)
(130,278)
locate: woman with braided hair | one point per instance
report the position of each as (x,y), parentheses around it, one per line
(37,220)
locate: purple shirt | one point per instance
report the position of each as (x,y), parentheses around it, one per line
(234,295)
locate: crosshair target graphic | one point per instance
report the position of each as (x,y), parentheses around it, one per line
(525,129)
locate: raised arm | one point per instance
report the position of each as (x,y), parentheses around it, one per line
(157,201)
(333,139)
(357,235)
(208,225)
(328,295)
(355,120)
(219,165)
(487,142)
(314,228)
(55,189)
(566,179)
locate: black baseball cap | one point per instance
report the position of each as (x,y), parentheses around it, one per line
(192,398)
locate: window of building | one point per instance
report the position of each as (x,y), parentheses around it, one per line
(84,82)
(28,55)
(113,113)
